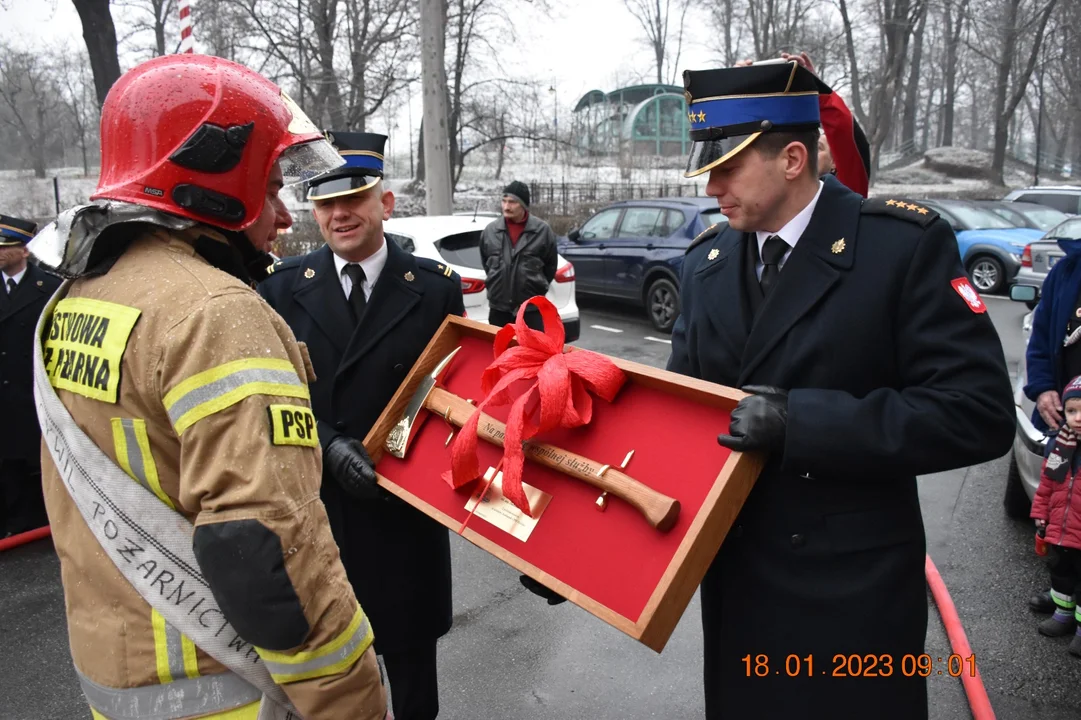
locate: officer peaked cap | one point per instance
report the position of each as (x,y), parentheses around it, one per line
(730,108)
(16,231)
(363,155)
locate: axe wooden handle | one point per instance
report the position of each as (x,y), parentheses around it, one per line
(660,510)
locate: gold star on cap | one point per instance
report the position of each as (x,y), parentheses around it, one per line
(922,210)
(309,273)
(838,247)
(713,254)
(701,116)
(409,277)
(891,203)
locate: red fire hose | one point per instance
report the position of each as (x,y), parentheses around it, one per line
(23,538)
(978,701)
(973,683)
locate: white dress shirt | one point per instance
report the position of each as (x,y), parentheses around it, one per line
(372,267)
(17,277)
(790,233)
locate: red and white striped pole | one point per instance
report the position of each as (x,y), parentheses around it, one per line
(187,42)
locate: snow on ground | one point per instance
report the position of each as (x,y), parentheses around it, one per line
(944,172)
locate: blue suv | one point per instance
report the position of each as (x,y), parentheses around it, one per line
(633,251)
(991,246)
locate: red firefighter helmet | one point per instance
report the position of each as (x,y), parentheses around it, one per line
(196,136)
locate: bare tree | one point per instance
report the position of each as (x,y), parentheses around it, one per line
(912,91)
(76,87)
(226,30)
(1009,30)
(100,36)
(147,16)
(955,21)
(347,57)
(30,102)
(656,19)
(896,21)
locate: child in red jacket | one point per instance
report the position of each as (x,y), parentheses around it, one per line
(1057,511)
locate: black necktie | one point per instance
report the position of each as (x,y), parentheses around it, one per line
(773,251)
(357,301)
(5,299)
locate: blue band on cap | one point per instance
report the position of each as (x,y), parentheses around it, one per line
(361,159)
(779,110)
(13,233)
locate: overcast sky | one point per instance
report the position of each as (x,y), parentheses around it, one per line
(582,45)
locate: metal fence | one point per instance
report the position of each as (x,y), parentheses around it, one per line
(564,197)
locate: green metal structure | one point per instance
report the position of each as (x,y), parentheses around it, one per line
(641,119)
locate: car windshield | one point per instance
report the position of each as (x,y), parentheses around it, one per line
(462,249)
(1041,216)
(974,218)
(1069,230)
(712,217)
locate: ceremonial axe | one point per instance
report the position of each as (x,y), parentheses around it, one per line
(659,510)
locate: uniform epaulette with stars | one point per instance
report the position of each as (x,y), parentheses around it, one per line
(708,234)
(438,268)
(284,263)
(922,216)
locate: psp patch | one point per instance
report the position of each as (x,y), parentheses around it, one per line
(292,425)
(969,295)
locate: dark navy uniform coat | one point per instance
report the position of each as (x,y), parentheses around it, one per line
(397,558)
(21,438)
(894,370)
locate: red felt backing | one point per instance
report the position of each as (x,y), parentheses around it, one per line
(613,557)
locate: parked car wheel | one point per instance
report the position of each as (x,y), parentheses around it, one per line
(662,304)
(986,273)
(1015,501)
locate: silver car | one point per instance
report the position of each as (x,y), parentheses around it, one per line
(1026,461)
(1066,198)
(1039,257)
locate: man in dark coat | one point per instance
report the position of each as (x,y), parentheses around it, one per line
(366,309)
(25,291)
(520,258)
(870,360)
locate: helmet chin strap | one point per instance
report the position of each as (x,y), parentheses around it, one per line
(254,260)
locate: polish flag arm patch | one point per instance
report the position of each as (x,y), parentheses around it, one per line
(969,295)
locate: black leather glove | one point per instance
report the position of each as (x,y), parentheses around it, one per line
(348,463)
(536,588)
(758,421)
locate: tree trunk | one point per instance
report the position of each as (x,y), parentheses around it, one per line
(159,27)
(502,145)
(954,17)
(420,176)
(438,199)
(1005,103)
(100,36)
(912,93)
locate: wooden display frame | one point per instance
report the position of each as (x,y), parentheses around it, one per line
(708,528)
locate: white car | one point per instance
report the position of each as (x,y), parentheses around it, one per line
(455,240)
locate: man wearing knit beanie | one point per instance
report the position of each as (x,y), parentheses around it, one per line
(520,258)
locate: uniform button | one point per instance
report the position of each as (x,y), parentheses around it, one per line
(340,425)
(798,540)
(399,367)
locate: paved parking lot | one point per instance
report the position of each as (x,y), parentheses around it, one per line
(510,655)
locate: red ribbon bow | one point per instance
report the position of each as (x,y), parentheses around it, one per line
(562,385)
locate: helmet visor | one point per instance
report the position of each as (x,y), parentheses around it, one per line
(300,163)
(708,154)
